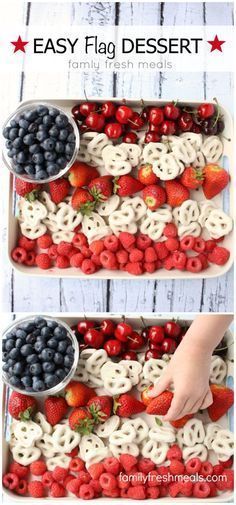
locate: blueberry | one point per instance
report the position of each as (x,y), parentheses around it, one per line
(11,362)
(61,162)
(52,169)
(19,342)
(18,368)
(10,371)
(14,123)
(5,356)
(5,367)
(36,369)
(6,132)
(39,121)
(71,138)
(10,334)
(48,367)
(17,143)
(58,358)
(42,127)
(10,344)
(28,326)
(13,133)
(52,343)
(63,134)
(19,169)
(46,332)
(29,139)
(3,345)
(22,132)
(26,381)
(60,332)
(31,115)
(70,350)
(67,370)
(48,354)
(14,354)
(26,350)
(31,338)
(30,169)
(68,361)
(47,120)
(34,149)
(49,144)
(62,345)
(38,385)
(60,373)
(59,147)
(23,123)
(21,333)
(39,346)
(9,143)
(61,120)
(27,370)
(41,135)
(50,155)
(52,324)
(41,175)
(32,358)
(50,380)
(29,389)
(11,153)
(33,128)
(53,112)
(21,157)
(15,381)
(42,110)
(36,332)
(38,158)
(54,132)
(69,149)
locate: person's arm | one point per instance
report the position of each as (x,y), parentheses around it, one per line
(189,367)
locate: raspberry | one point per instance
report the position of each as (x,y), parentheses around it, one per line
(168,263)
(174,489)
(79,240)
(107,481)
(186,488)
(19,255)
(145,465)
(86,492)
(172,244)
(200,245)
(111,243)
(134,268)
(112,465)
(136,493)
(86,251)
(143,242)
(187,243)
(170,230)
(108,260)
(10,481)
(52,252)
(62,262)
(76,465)
(201,489)
(43,261)
(57,490)
(97,246)
(161,250)
(60,473)
(124,493)
(218,469)
(174,452)
(164,473)
(163,491)
(179,260)
(153,492)
(96,470)
(22,487)
(203,258)
(154,478)
(20,470)
(126,239)
(137,478)
(176,467)
(228,463)
(206,469)
(128,461)
(47,479)
(67,480)
(76,260)
(36,489)
(219,256)
(122,256)
(64,248)
(45,241)
(73,486)
(112,493)
(74,451)
(88,267)
(122,483)
(38,467)
(96,487)
(150,267)
(150,255)
(95,258)
(26,243)
(227,481)
(194,265)
(84,477)
(135,255)
(210,245)
(193,466)
(72,252)
(213,488)
(30,260)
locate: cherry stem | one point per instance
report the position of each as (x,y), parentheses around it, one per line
(143,322)
(85,94)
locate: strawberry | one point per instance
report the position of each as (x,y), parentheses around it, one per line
(192,178)
(55,409)
(101,188)
(161,404)
(100,408)
(216,179)
(127,405)
(78,394)
(81,420)
(126,185)
(29,190)
(146,175)
(83,201)
(59,189)
(179,423)
(223,399)
(21,406)
(146,399)
(81,174)
(154,196)
(176,193)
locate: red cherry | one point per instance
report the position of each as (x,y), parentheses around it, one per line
(113,130)
(83,128)
(156,347)
(129,355)
(168,345)
(123,331)
(156,334)
(152,353)
(145,113)
(185,122)
(206,110)
(123,114)
(87,107)
(108,109)
(156,116)
(130,138)
(144,332)
(76,113)
(171,111)
(136,122)
(113,347)
(95,121)
(154,128)
(168,128)
(172,329)
(195,128)
(152,137)
(94,338)
(107,327)
(84,326)
(135,341)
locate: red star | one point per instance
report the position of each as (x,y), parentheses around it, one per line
(216,44)
(19,45)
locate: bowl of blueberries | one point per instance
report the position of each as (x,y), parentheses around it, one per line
(41,142)
(39,354)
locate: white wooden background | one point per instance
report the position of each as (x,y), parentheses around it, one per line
(27,294)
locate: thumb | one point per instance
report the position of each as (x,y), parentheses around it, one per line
(161,385)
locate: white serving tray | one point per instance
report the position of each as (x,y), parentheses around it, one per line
(136,322)
(224,200)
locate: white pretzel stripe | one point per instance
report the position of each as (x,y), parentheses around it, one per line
(223,444)
(133,368)
(153,151)
(92,222)
(61,460)
(125,435)
(152,228)
(41,420)
(195,139)
(218,370)
(65,439)
(33,212)
(51,222)
(109,206)
(193,229)
(89,443)
(205,208)
(218,223)
(194,432)
(168,167)
(133,153)
(113,370)
(27,433)
(96,455)
(83,154)
(33,232)
(137,204)
(130,228)
(97,144)
(188,212)
(153,369)
(46,200)
(104,430)
(212,149)
(98,233)
(198,451)
(62,236)
(117,386)
(123,216)
(141,428)
(211,432)
(156,451)
(130,448)
(183,150)
(67,218)
(162,214)
(46,446)
(163,434)
(25,455)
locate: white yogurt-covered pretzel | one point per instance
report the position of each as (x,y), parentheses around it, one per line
(41,420)
(133,152)
(61,460)
(116,161)
(193,229)
(143,383)
(152,228)
(46,446)
(211,432)
(130,448)
(183,150)
(156,451)
(113,370)
(109,206)
(97,144)
(117,386)
(195,139)
(32,232)
(27,433)
(33,212)
(89,443)
(205,208)
(104,430)
(51,222)
(153,369)
(153,151)
(46,200)
(194,432)
(67,218)
(62,236)
(162,214)
(130,228)
(91,222)
(25,455)
(212,148)
(140,426)
(199,161)
(168,167)
(218,223)
(83,154)
(175,215)
(64,438)
(163,434)
(95,362)
(133,368)
(218,370)
(122,217)
(96,455)
(188,212)
(180,437)
(125,435)
(138,206)
(98,233)
(223,444)
(198,451)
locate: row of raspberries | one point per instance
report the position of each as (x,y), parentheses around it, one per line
(126,477)
(133,254)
